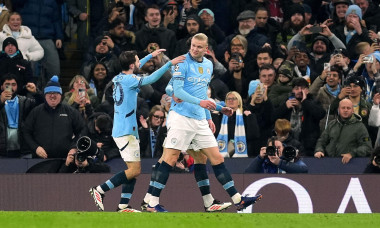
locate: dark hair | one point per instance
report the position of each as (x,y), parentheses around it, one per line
(267,66)
(104,123)
(115,23)
(7,77)
(337,69)
(237,56)
(127,58)
(300,82)
(265,50)
(153,110)
(262,8)
(153,6)
(93,69)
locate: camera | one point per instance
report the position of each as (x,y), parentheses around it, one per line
(86,148)
(119,4)
(289,153)
(316,29)
(368,59)
(236,56)
(271,150)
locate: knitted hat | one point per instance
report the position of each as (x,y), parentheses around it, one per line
(354,9)
(357,80)
(306,8)
(296,8)
(10,40)
(286,69)
(321,38)
(195,18)
(208,11)
(252,86)
(347,2)
(53,86)
(247,14)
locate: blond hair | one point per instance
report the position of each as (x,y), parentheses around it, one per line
(237,95)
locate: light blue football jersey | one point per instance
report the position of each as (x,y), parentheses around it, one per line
(190,83)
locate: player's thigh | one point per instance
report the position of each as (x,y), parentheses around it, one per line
(170,156)
(204,138)
(134,169)
(199,157)
(129,148)
(213,155)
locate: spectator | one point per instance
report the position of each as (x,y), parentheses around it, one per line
(280,91)
(5,8)
(51,129)
(260,105)
(43,19)
(267,76)
(28,45)
(345,137)
(374,117)
(11,61)
(264,56)
(13,112)
(193,26)
(212,30)
(99,78)
(370,11)
(170,16)
(339,13)
(283,160)
(304,114)
(292,25)
(75,164)
(233,134)
(102,52)
(81,97)
(283,132)
(123,40)
(325,89)
(374,164)
(302,67)
(154,29)
(152,133)
(353,32)
(99,130)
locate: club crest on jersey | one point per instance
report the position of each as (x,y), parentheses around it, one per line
(200,69)
(176,68)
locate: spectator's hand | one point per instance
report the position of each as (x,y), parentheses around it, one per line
(186,4)
(266,45)
(292,52)
(6,95)
(274,159)
(227,111)
(212,54)
(325,30)
(328,22)
(306,30)
(83,16)
(305,92)
(265,94)
(344,92)
(357,26)
(263,152)
(178,59)
(104,158)
(247,112)
(99,145)
(373,65)
(346,158)
(232,64)
(114,13)
(359,62)
(81,164)
(324,75)
(373,35)
(291,103)
(58,43)
(211,125)
(157,52)
(374,47)
(319,154)
(227,56)
(41,152)
(31,87)
(143,122)
(109,41)
(376,99)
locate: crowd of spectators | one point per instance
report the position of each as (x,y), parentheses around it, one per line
(305,72)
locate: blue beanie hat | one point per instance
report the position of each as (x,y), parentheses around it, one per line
(354,9)
(53,86)
(252,86)
(207,10)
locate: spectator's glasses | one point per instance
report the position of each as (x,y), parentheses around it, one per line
(159,117)
(231,99)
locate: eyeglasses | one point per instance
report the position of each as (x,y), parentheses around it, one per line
(231,99)
(159,117)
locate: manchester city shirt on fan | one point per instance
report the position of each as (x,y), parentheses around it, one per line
(190,83)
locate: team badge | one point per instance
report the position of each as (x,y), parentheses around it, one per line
(364,112)
(240,147)
(221,145)
(200,69)
(173,141)
(137,154)
(176,68)
(208,71)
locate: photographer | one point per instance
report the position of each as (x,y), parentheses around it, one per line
(275,158)
(374,165)
(88,159)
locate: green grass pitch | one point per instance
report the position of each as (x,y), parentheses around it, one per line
(15,219)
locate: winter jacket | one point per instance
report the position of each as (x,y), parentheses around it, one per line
(18,66)
(43,17)
(342,137)
(53,129)
(260,165)
(145,142)
(27,44)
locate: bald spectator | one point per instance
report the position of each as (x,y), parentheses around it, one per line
(345,137)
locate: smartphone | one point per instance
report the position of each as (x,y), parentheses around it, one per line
(292,96)
(8,88)
(316,29)
(377,85)
(81,93)
(326,66)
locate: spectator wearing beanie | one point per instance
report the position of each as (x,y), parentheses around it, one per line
(50,127)
(280,91)
(293,24)
(12,61)
(212,30)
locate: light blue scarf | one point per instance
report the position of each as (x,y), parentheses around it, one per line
(334,93)
(12,110)
(240,141)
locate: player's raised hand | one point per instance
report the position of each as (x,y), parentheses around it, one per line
(227,111)
(157,52)
(178,59)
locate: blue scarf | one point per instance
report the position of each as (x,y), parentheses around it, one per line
(153,139)
(12,110)
(334,93)
(349,34)
(240,141)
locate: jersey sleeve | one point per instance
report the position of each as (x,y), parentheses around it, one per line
(179,76)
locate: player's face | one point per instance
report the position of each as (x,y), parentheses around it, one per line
(198,48)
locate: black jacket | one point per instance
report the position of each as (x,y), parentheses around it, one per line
(145,142)
(53,129)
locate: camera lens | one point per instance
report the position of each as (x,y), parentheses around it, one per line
(271,150)
(289,153)
(377,160)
